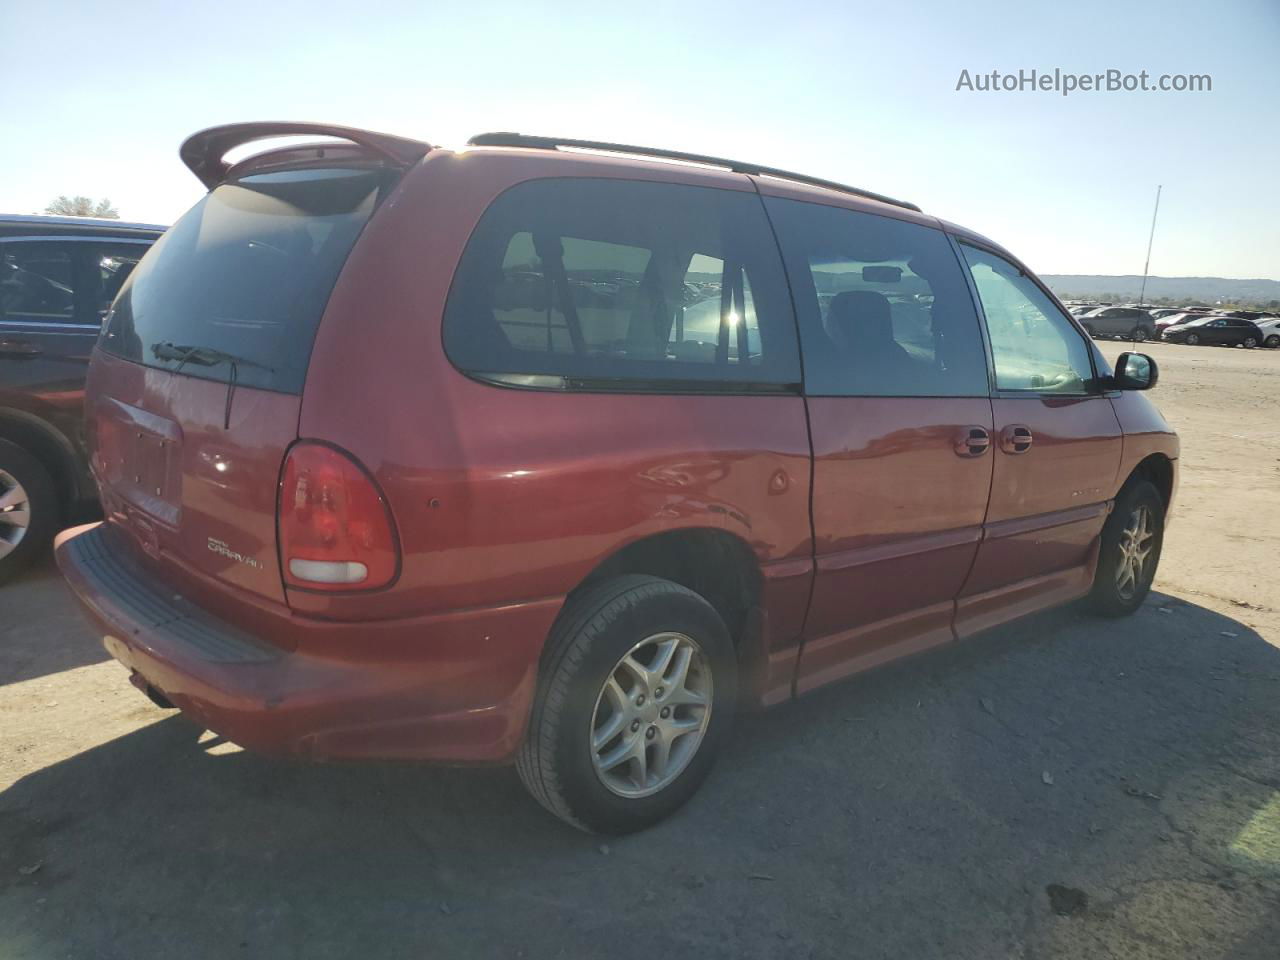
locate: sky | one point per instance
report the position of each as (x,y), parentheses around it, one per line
(99,96)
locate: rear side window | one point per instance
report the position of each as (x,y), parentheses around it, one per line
(37,282)
(245,276)
(112,264)
(599,284)
(884,307)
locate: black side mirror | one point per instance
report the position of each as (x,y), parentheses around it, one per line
(1135,371)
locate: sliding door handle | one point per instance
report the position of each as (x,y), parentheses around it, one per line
(1015,438)
(973,442)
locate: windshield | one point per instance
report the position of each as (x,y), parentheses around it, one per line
(246,273)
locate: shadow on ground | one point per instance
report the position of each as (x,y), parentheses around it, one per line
(41,628)
(1067,787)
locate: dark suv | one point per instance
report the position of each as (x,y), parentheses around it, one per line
(58,275)
(1225,331)
(520,453)
(1127,323)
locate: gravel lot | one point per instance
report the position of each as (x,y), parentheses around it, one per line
(1064,787)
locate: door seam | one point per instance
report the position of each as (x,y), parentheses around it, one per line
(808,430)
(986,513)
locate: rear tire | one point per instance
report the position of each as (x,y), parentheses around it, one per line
(1138,335)
(29,510)
(1132,539)
(1250,343)
(595,658)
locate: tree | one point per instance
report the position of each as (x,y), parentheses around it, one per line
(66,206)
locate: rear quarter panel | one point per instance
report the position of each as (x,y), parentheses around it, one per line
(39,398)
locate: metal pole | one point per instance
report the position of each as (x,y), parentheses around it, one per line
(1142,297)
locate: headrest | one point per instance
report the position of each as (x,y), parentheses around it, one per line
(858,315)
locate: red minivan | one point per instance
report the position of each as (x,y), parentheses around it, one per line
(559,452)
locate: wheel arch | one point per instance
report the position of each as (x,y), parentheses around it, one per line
(49,446)
(1158,469)
(717,565)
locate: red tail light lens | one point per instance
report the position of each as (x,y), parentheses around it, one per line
(335,528)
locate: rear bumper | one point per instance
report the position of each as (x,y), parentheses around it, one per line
(455,687)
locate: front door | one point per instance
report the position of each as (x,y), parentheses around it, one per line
(1111,322)
(47,327)
(1056,452)
(900,419)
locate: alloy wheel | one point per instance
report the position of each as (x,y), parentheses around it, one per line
(651,715)
(1250,343)
(15,513)
(1135,551)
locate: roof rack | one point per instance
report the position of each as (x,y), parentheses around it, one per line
(737,166)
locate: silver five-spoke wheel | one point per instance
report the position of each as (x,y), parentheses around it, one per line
(15,513)
(651,715)
(1135,550)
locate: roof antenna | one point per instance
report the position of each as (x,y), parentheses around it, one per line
(1142,297)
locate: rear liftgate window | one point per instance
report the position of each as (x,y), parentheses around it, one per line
(245,275)
(617,284)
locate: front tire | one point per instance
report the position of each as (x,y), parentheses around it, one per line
(1132,539)
(1273,341)
(636,697)
(29,510)
(1192,339)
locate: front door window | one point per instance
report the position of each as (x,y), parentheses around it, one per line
(1034,346)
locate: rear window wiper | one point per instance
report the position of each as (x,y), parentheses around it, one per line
(204,356)
(208,357)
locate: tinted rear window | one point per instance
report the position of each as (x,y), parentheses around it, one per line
(607,283)
(246,272)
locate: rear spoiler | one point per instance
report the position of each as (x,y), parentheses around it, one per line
(203,152)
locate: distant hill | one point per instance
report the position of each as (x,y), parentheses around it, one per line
(1209,289)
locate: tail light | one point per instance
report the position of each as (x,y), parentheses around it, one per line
(335,527)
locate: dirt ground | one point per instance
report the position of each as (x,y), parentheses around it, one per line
(1063,787)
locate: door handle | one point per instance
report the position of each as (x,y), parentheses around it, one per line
(1015,438)
(973,442)
(14,347)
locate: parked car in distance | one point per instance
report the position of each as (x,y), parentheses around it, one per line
(1269,327)
(58,276)
(1163,312)
(1129,323)
(1174,319)
(1248,314)
(1217,331)
(372,493)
